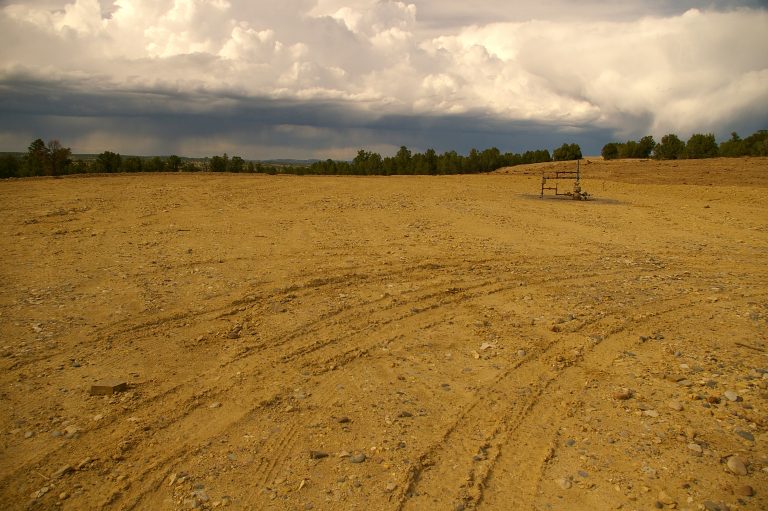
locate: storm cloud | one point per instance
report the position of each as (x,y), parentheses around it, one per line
(301,78)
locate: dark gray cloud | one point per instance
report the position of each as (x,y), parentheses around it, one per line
(255,127)
(451,13)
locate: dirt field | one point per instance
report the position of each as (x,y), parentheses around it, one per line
(387,343)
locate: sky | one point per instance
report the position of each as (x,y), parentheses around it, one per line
(325,78)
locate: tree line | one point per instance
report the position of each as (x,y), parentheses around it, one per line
(698,146)
(406,162)
(53,159)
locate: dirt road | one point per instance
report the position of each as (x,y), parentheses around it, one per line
(387,343)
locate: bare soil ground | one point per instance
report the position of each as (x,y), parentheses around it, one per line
(483,348)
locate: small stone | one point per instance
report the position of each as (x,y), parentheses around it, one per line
(404,415)
(570,442)
(651,413)
(390,488)
(343,420)
(192,503)
(39,493)
(695,448)
(665,499)
(357,458)
(583,474)
(737,466)
(746,435)
(71,431)
(215,404)
(29,434)
(676,406)
(745,491)
(98,417)
(731,396)
(66,469)
(317,455)
(715,506)
(521,353)
(63,495)
(105,388)
(564,483)
(622,395)
(713,400)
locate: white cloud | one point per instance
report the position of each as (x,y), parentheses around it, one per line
(671,70)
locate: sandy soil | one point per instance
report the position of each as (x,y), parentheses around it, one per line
(482,348)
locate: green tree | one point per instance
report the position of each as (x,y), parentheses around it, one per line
(219,163)
(132,164)
(46,160)
(236,164)
(189,166)
(10,166)
(154,164)
(701,146)
(734,147)
(628,149)
(174,163)
(757,143)
(402,162)
(567,152)
(670,148)
(35,161)
(367,162)
(645,147)
(79,167)
(108,162)
(58,158)
(490,159)
(610,151)
(430,160)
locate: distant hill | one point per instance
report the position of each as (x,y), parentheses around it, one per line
(288,161)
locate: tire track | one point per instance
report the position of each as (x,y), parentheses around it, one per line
(190,401)
(453,466)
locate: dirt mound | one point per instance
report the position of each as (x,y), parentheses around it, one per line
(707,172)
(386,343)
